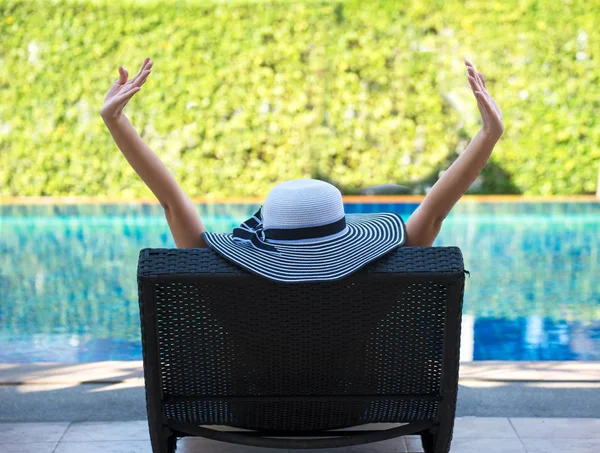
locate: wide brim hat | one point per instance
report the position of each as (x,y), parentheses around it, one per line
(302,234)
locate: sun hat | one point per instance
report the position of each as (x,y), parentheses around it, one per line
(301,233)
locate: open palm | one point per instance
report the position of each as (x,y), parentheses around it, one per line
(119,94)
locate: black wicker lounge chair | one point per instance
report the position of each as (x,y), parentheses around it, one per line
(269,360)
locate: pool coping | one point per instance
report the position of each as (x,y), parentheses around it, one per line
(254,200)
(132,372)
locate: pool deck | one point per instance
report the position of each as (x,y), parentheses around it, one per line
(132,372)
(107,391)
(471,435)
(533,407)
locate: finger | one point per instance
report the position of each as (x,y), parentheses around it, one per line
(135,81)
(142,78)
(122,75)
(143,68)
(483,108)
(146,60)
(487,99)
(483,101)
(482,79)
(475,75)
(474,84)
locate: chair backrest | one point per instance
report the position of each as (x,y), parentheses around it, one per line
(224,346)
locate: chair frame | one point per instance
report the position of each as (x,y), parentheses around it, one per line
(439,264)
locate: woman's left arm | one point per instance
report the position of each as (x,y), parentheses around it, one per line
(183,219)
(424,224)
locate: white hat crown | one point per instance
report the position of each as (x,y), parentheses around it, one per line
(302,234)
(301,203)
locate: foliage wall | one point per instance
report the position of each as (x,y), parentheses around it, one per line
(244,94)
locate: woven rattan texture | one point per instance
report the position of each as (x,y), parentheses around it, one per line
(406,260)
(220,337)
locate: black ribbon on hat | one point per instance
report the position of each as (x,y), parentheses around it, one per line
(252,231)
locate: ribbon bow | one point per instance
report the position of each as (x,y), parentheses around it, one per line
(252,231)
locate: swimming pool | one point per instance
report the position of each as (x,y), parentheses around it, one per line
(68,290)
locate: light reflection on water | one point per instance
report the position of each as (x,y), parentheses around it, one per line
(68,290)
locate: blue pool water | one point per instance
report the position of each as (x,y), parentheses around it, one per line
(68,290)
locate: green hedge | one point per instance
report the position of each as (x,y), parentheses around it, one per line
(246,94)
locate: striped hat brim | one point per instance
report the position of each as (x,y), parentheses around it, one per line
(368,237)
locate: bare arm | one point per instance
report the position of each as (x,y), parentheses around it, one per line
(182,217)
(425,223)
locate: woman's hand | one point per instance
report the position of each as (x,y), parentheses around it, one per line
(122,90)
(490,112)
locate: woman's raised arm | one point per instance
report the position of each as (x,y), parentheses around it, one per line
(424,224)
(182,217)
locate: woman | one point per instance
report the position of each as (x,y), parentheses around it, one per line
(187,228)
